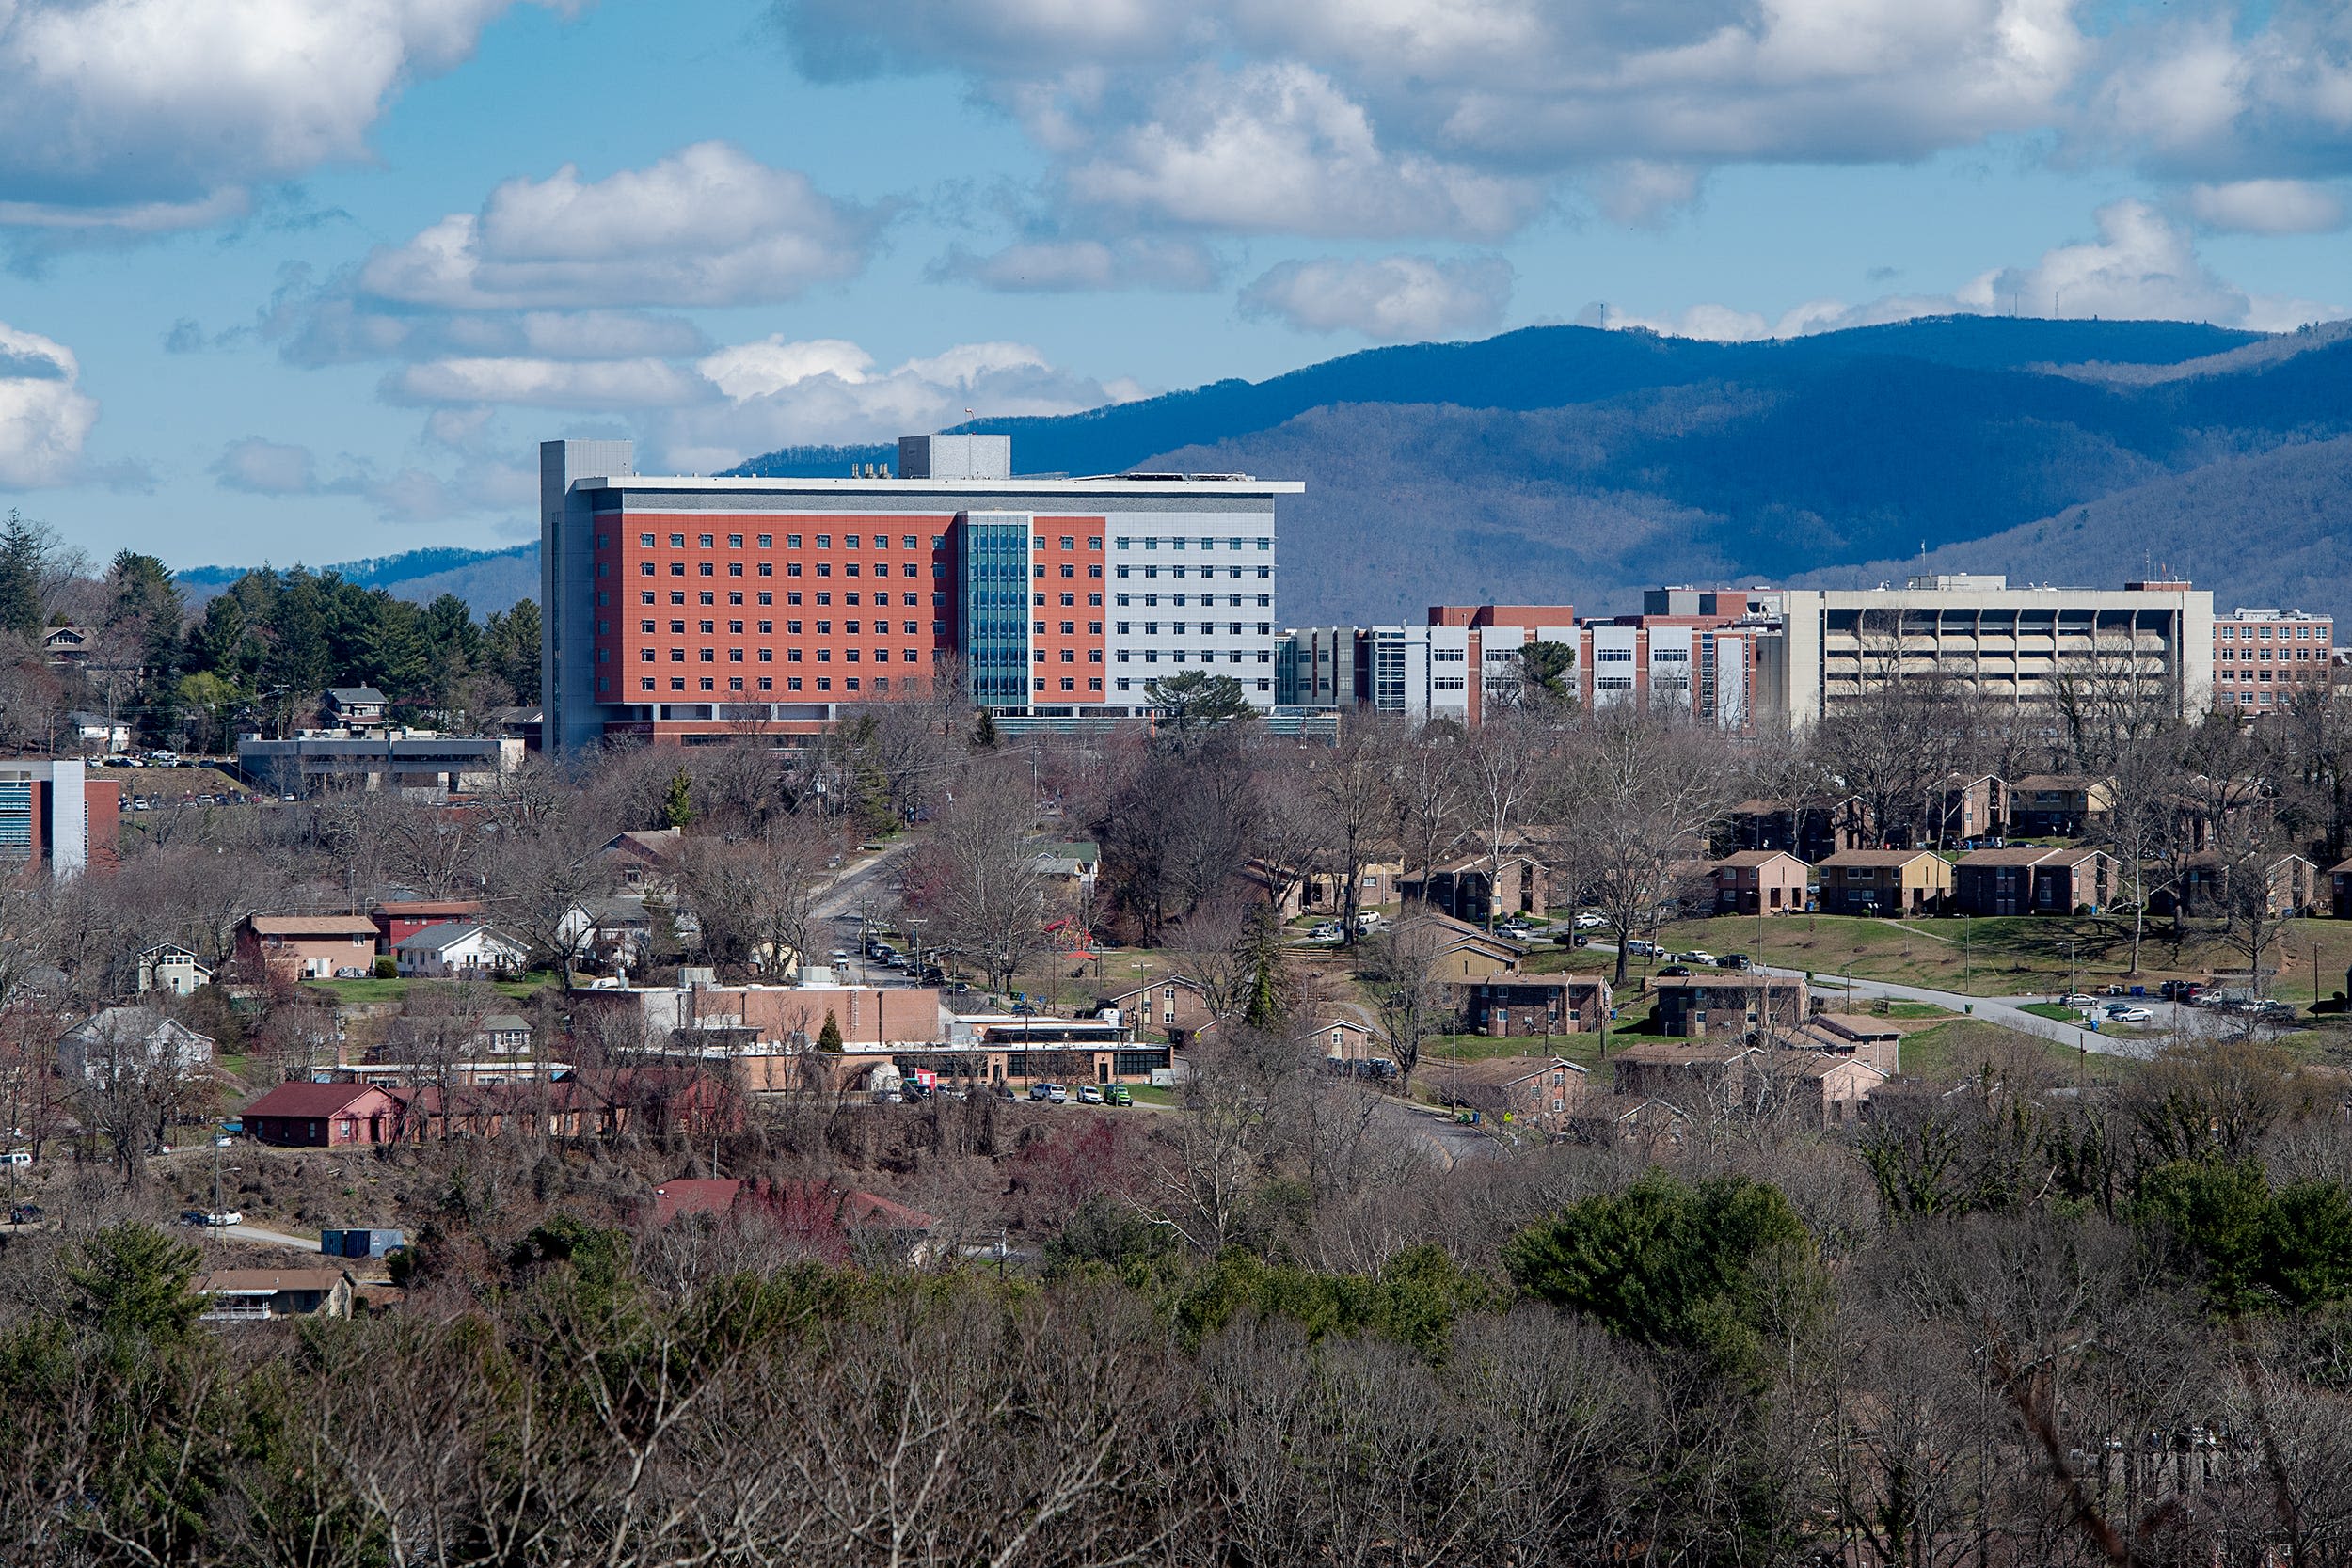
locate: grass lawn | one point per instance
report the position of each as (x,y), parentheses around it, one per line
(1953,1050)
(353,992)
(2053,1011)
(2011,956)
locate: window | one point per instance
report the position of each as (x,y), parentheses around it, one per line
(677,541)
(1067,684)
(735,541)
(646,597)
(823,596)
(792,542)
(644,682)
(1122,571)
(767,541)
(766,627)
(1265,571)
(644,655)
(767,683)
(767,655)
(644,568)
(791,682)
(824,629)
(1039,542)
(644,626)
(792,568)
(708,683)
(1265,544)
(1067,543)
(735,683)
(824,568)
(706,626)
(706,596)
(677,683)
(1123,604)
(703,540)
(793,597)
(735,597)
(735,656)
(1068,570)
(676,598)
(1068,627)
(824,541)
(705,568)
(766,568)
(707,655)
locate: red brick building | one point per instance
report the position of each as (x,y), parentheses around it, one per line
(326,1115)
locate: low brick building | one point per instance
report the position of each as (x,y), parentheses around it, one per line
(1767,881)
(1518,1004)
(2027,879)
(1888,883)
(1540,1091)
(307,946)
(326,1115)
(1737,1003)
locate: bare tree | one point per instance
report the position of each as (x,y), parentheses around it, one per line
(1640,794)
(2143,828)
(976,878)
(757,898)
(1349,786)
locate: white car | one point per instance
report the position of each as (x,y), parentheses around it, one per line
(1697,956)
(2129,1015)
(1588,920)
(1367,919)
(2077,999)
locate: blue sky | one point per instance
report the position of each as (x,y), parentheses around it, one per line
(306,280)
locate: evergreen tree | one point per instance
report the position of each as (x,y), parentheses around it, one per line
(677,802)
(511,649)
(23,549)
(829,1037)
(984,735)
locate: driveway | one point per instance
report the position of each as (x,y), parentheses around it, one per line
(256,1236)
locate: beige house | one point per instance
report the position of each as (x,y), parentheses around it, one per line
(1767,881)
(1887,883)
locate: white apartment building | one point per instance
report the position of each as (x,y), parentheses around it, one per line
(2025,644)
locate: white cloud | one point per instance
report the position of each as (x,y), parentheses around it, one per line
(2196,95)
(44,416)
(2142,267)
(2268,207)
(1390,298)
(1282,149)
(146,114)
(706,226)
(263,467)
(546,383)
(1059,266)
(784,393)
(1455,117)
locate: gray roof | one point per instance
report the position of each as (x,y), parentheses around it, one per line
(345,696)
(447,933)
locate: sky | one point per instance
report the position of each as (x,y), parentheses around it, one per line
(306,280)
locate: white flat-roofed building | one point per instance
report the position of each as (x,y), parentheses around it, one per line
(2033,646)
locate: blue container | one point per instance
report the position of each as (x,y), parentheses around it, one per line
(359,1241)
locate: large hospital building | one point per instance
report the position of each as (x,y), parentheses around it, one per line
(680,610)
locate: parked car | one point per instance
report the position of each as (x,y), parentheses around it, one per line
(1587,920)
(2077,999)
(1089,1095)
(1119,1094)
(1367,919)
(1641,947)
(1697,956)
(2127,1014)
(1327,931)
(225,1217)
(1732,961)
(1673,970)
(1049,1094)
(25,1214)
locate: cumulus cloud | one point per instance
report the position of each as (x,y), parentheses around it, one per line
(1455,117)
(2195,95)
(44,416)
(260,467)
(148,114)
(1283,148)
(1390,298)
(2142,266)
(707,226)
(1065,267)
(2268,207)
(782,392)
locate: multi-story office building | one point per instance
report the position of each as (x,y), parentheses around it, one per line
(2032,646)
(55,814)
(692,609)
(2262,657)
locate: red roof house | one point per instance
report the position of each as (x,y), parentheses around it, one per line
(326,1115)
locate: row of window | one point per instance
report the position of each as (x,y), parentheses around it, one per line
(825,596)
(2297,633)
(1265,601)
(1176,628)
(1207,544)
(792,569)
(766,683)
(824,629)
(1208,656)
(1179,571)
(792,542)
(1124,684)
(2304,654)
(766,656)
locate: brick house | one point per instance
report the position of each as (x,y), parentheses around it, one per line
(1740,1003)
(1886,882)
(306,946)
(2339,891)
(1519,1005)
(1771,880)
(396,922)
(1970,809)
(2059,805)
(326,1115)
(1542,1092)
(1469,889)
(2027,879)
(1175,1005)
(2291,881)
(1810,832)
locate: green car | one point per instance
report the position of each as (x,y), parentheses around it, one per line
(1118,1093)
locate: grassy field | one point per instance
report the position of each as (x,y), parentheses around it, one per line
(1953,1049)
(353,992)
(2016,956)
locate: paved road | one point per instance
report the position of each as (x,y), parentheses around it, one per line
(259,1237)
(2007,1011)
(862,886)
